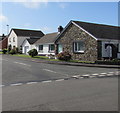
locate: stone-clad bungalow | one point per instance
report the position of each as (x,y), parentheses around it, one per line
(88,41)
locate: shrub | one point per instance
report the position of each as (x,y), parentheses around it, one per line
(9,48)
(17,50)
(64,56)
(33,52)
(13,51)
(4,51)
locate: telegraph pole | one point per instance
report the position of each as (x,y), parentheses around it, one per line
(7,29)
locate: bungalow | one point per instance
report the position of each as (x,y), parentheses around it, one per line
(89,41)
(17,36)
(46,44)
(28,44)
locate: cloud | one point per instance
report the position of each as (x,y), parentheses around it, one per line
(33,4)
(46,29)
(30,5)
(63,5)
(3,18)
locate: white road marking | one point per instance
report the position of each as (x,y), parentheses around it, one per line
(103,73)
(95,74)
(92,76)
(18,84)
(59,80)
(111,72)
(85,75)
(22,63)
(75,76)
(31,82)
(46,81)
(49,70)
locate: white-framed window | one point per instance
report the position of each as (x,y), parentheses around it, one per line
(51,48)
(13,39)
(79,47)
(9,39)
(40,47)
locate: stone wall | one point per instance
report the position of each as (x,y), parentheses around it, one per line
(72,34)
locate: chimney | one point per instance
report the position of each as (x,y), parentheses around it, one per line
(3,36)
(60,28)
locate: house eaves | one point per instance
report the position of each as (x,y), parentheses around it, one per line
(72,22)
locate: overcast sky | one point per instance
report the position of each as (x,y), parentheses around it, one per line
(47,16)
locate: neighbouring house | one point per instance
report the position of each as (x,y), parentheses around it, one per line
(28,44)
(3,42)
(46,44)
(89,41)
(17,36)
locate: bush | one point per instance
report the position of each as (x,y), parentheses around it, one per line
(13,51)
(9,48)
(17,50)
(4,51)
(33,52)
(64,56)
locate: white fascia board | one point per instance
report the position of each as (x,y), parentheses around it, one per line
(43,43)
(85,31)
(24,42)
(63,30)
(109,40)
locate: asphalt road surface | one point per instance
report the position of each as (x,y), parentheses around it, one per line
(15,70)
(31,86)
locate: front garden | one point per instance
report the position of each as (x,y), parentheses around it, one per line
(63,56)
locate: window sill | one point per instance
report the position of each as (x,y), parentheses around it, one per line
(79,52)
(51,51)
(40,51)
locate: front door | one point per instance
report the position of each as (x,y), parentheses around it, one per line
(60,48)
(26,49)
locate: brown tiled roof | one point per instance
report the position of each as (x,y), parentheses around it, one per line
(30,33)
(100,31)
(48,38)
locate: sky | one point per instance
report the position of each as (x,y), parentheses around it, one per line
(47,16)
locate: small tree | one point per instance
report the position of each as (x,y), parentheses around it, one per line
(33,52)
(13,51)
(9,48)
(17,50)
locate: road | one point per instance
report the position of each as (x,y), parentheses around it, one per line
(31,86)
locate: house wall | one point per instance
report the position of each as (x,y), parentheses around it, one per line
(105,54)
(4,43)
(20,40)
(26,44)
(72,34)
(10,37)
(45,50)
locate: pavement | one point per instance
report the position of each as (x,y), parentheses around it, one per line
(68,63)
